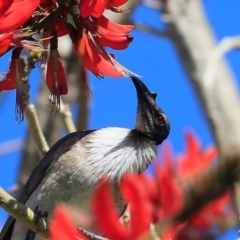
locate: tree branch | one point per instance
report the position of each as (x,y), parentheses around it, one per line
(23,214)
(191,34)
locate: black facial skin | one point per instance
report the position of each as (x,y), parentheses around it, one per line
(156,120)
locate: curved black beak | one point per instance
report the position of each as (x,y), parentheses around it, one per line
(151,120)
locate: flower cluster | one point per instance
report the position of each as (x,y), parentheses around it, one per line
(218,213)
(152,199)
(89,30)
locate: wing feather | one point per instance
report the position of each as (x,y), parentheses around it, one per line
(37,175)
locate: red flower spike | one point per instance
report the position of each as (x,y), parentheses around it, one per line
(86,7)
(96,61)
(5,41)
(11,19)
(62,228)
(55,76)
(12,81)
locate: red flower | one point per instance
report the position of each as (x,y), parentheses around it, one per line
(113,35)
(95,8)
(10,82)
(10,18)
(62,228)
(4,5)
(5,41)
(96,61)
(149,199)
(92,32)
(164,193)
(55,76)
(106,214)
(195,159)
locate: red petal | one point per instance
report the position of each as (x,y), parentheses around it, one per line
(55,78)
(9,82)
(116,3)
(112,26)
(106,213)
(4,5)
(80,47)
(60,27)
(135,194)
(96,61)
(196,159)
(61,226)
(114,41)
(5,41)
(99,8)
(171,196)
(193,145)
(86,7)
(11,19)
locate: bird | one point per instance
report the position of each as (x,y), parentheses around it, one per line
(70,171)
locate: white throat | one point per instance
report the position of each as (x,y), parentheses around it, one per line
(112,152)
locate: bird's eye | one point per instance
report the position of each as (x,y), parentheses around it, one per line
(159,120)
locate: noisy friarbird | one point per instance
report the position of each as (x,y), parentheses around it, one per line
(72,168)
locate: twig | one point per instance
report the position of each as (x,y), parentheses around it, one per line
(35,129)
(153,232)
(23,214)
(226,45)
(91,236)
(151,30)
(66,117)
(29,109)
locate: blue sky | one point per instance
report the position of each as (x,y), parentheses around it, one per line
(115,101)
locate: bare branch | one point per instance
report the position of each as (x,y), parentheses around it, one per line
(22,213)
(151,30)
(66,116)
(35,129)
(218,52)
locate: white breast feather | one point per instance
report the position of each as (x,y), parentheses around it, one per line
(114,151)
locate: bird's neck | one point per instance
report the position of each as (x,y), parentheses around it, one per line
(112,152)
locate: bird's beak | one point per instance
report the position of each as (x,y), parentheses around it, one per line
(142,91)
(151,119)
(146,99)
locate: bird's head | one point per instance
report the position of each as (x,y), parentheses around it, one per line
(151,120)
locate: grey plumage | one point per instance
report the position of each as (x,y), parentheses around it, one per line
(71,169)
